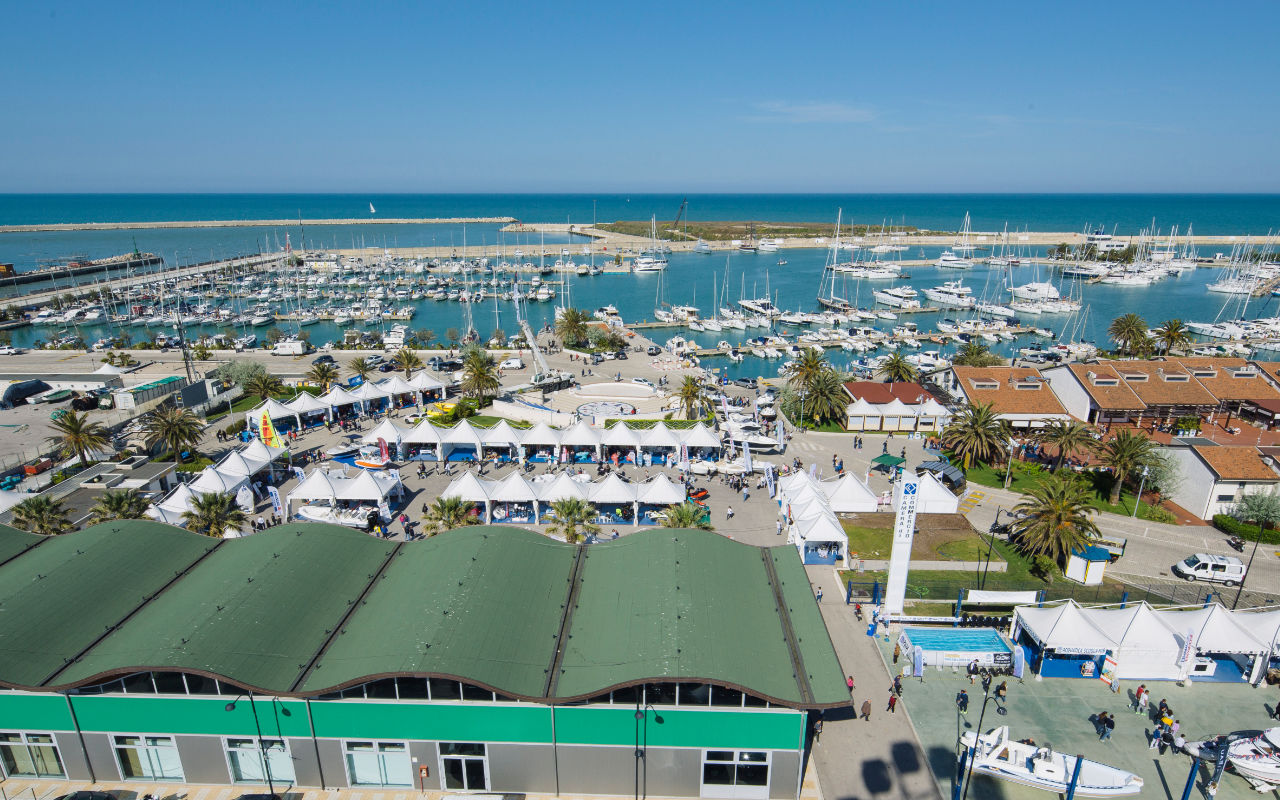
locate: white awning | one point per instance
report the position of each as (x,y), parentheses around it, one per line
(210,480)
(541,435)
(236,464)
(387,430)
(316,486)
(367,485)
(257,450)
(659,436)
(423,382)
(423,433)
(560,488)
(699,436)
(848,495)
(369,391)
(612,490)
(1064,629)
(1214,630)
(396,385)
(620,435)
(307,403)
(661,491)
(470,488)
(462,433)
(514,489)
(580,434)
(337,396)
(501,435)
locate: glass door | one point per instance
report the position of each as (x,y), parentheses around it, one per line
(148,758)
(30,755)
(378,764)
(735,774)
(465,766)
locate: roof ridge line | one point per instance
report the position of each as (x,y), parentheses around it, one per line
(788,632)
(145,602)
(571,600)
(26,549)
(333,634)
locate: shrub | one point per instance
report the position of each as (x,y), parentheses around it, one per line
(1245,530)
(1044,568)
(1158,514)
(235,427)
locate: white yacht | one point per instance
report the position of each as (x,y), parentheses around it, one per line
(949,260)
(702,247)
(1035,291)
(761,306)
(897,296)
(994,754)
(648,263)
(953,294)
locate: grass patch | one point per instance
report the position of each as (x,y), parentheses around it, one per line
(932,543)
(195,464)
(930,609)
(1026,476)
(488,421)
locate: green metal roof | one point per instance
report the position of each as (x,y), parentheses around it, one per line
(305,609)
(14,541)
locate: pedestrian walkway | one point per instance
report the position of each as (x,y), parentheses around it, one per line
(971,500)
(857,759)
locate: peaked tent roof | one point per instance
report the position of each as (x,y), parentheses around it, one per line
(211,480)
(271,406)
(306,403)
(659,436)
(178,500)
(822,528)
(848,495)
(700,436)
(337,396)
(562,487)
(514,489)
(366,486)
(1214,630)
(1263,625)
(661,491)
(396,385)
(369,391)
(236,464)
(386,429)
(504,433)
(462,433)
(1064,628)
(580,434)
(423,433)
(422,381)
(619,434)
(470,488)
(541,434)
(258,450)
(318,485)
(1137,627)
(612,490)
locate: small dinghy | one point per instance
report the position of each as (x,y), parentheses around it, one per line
(348,448)
(1253,755)
(371,457)
(1041,768)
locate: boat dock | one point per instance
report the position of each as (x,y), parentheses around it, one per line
(921,337)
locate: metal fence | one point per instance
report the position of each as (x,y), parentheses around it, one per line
(947,590)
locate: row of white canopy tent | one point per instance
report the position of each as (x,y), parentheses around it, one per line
(331,488)
(896,415)
(231,475)
(526,443)
(1149,643)
(306,404)
(657,493)
(809,507)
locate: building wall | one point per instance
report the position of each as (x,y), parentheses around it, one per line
(531,748)
(1070,393)
(1196,486)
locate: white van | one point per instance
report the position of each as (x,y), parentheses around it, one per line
(1217,569)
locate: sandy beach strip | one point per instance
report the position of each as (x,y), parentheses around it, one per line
(243,223)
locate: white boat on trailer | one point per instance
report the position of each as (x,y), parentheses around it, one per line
(1254,756)
(996,756)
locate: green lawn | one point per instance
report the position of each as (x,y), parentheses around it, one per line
(487,421)
(875,543)
(250,401)
(1026,476)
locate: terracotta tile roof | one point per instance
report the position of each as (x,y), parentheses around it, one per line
(1163,383)
(1232,378)
(1236,463)
(1009,390)
(1271,368)
(1117,397)
(877,393)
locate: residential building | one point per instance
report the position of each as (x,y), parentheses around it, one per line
(1111,392)
(1213,478)
(487,659)
(1019,395)
(903,406)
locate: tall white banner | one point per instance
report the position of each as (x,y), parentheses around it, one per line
(904,528)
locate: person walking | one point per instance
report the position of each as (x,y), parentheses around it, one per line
(866,710)
(1137,698)
(849,682)
(897,652)
(893,702)
(1144,703)
(962,702)
(1108,726)
(728,512)
(817,729)
(819,594)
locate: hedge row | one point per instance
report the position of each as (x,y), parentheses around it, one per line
(1245,530)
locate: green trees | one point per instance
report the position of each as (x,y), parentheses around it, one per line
(361,367)
(693,397)
(447,513)
(408,361)
(975,354)
(1263,509)
(1068,436)
(687,515)
(573,519)
(453,336)
(1123,454)
(122,504)
(424,337)
(263,384)
(1054,518)
(898,369)
(78,435)
(42,515)
(324,373)
(214,514)
(479,374)
(976,434)
(572,327)
(178,428)
(1172,334)
(1129,332)
(816,390)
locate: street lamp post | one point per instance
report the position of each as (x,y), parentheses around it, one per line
(968,779)
(262,751)
(1137,501)
(1245,576)
(1008,473)
(642,740)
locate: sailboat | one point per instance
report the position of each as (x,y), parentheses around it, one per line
(372,210)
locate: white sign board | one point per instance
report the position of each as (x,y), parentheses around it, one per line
(904,528)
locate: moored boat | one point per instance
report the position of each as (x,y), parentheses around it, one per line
(996,756)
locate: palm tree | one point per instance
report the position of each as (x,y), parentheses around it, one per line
(806,369)
(573,518)
(976,434)
(324,373)
(1263,509)
(479,374)
(214,514)
(898,369)
(42,515)
(687,515)
(1068,436)
(1128,332)
(827,400)
(122,504)
(447,513)
(573,326)
(1053,519)
(78,435)
(1173,334)
(408,361)
(178,428)
(1123,454)
(362,367)
(264,385)
(693,397)
(975,354)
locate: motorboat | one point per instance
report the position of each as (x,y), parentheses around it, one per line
(371,456)
(949,260)
(1253,755)
(996,756)
(350,518)
(348,448)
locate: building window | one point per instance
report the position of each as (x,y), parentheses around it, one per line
(30,755)
(735,774)
(254,763)
(378,764)
(148,758)
(465,766)
(1226,498)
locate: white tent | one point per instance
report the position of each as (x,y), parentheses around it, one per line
(820,537)
(462,434)
(931,496)
(661,491)
(848,495)
(1063,628)
(211,480)
(898,416)
(561,487)
(470,488)
(620,435)
(423,433)
(612,490)
(366,392)
(368,486)
(337,396)
(273,408)
(931,413)
(178,500)
(1264,625)
(862,416)
(514,489)
(318,485)
(659,436)
(168,516)
(500,435)
(700,436)
(1214,630)
(423,382)
(257,450)
(1147,648)
(541,435)
(236,464)
(580,434)
(108,369)
(386,429)
(307,403)
(396,385)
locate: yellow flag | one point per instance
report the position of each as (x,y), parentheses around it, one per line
(269,436)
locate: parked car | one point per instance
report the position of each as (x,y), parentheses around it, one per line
(512,363)
(1227,570)
(745,383)
(323,359)
(644,381)
(9,350)
(621,355)
(87,795)
(374,358)
(387,367)
(654,350)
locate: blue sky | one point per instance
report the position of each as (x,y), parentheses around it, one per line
(549,97)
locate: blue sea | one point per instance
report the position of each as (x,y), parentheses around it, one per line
(690,279)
